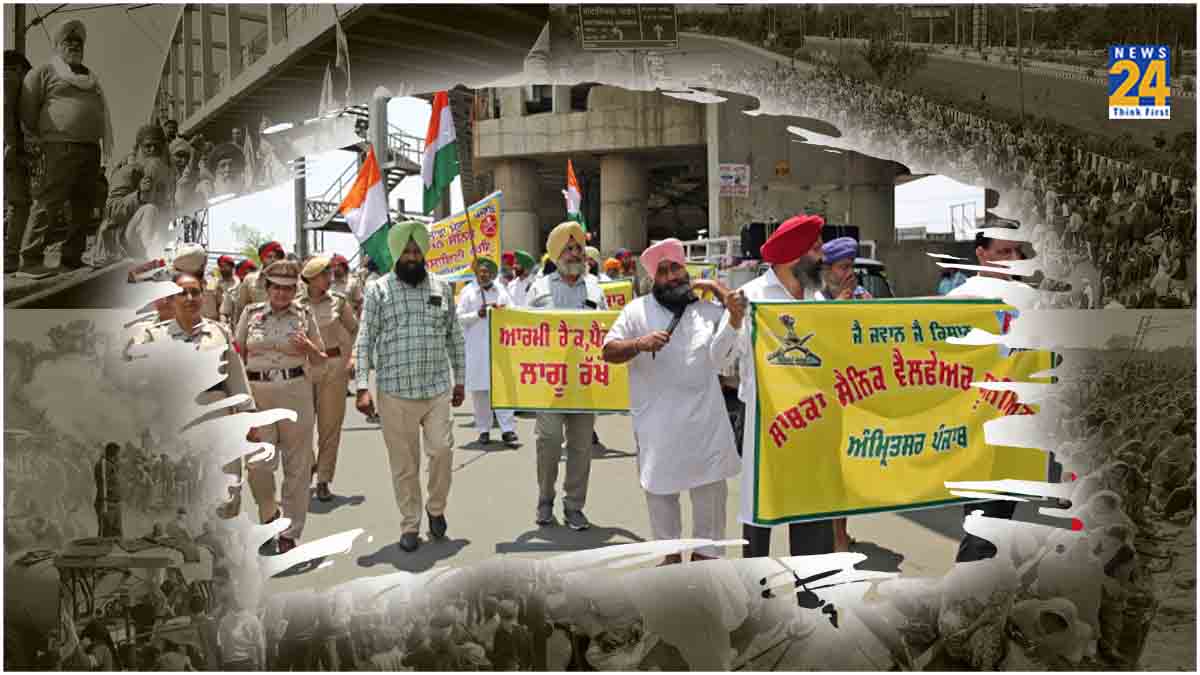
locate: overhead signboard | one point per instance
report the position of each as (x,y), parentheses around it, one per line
(628,27)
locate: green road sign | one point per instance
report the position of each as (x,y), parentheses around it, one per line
(628,27)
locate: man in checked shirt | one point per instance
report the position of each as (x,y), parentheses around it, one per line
(410,336)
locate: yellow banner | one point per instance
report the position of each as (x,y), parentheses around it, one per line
(618,293)
(698,271)
(551,360)
(455,242)
(864,407)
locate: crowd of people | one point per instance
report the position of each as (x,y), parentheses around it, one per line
(143,486)
(1136,232)
(68,188)
(1095,594)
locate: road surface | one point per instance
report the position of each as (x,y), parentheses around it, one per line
(494,493)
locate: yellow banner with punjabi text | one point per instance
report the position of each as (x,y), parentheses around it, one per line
(455,242)
(865,407)
(617,293)
(551,360)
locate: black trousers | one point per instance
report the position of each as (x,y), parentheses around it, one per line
(803,538)
(973,548)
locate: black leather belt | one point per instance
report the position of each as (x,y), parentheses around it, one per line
(275,375)
(336,351)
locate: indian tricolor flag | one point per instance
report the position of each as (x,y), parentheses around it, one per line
(365,209)
(574,197)
(439,165)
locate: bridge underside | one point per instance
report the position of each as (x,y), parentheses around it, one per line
(406,48)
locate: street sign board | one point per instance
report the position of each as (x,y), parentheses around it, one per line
(628,27)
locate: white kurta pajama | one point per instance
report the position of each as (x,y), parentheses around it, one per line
(684,438)
(478,376)
(518,290)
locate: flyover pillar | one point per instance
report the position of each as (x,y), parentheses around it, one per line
(623,194)
(518,180)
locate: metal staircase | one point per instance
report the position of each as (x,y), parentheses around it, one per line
(403,159)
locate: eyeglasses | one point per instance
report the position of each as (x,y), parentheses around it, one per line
(190,293)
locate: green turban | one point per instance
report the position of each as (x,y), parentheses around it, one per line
(487,263)
(525,260)
(401,233)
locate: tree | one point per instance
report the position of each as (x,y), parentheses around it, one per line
(891,61)
(248,239)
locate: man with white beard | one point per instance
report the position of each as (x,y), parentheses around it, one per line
(473,304)
(683,434)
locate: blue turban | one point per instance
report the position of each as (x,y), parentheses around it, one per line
(839,249)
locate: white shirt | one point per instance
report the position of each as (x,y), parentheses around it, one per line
(682,429)
(518,290)
(766,287)
(1015,293)
(475,332)
(240,637)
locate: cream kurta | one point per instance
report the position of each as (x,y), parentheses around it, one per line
(518,290)
(679,419)
(475,330)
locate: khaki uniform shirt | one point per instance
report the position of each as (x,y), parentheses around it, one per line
(335,318)
(352,288)
(253,289)
(263,334)
(215,291)
(206,335)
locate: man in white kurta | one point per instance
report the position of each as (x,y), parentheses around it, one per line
(473,304)
(684,438)
(518,288)
(794,253)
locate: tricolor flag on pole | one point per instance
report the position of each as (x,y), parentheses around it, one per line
(439,164)
(365,209)
(574,197)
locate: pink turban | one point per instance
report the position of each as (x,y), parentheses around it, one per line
(668,249)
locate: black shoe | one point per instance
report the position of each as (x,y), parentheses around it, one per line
(485,438)
(545,513)
(323,492)
(510,439)
(576,520)
(409,542)
(437,525)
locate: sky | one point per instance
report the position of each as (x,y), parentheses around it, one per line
(271,211)
(126,49)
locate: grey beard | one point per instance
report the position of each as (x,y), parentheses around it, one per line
(575,269)
(808,273)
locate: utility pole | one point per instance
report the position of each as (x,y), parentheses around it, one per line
(299,204)
(19,28)
(1020,70)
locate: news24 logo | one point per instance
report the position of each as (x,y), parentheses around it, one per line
(1139,82)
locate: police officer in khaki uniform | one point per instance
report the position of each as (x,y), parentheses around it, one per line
(279,338)
(339,326)
(253,290)
(215,290)
(347,284)
(189,326)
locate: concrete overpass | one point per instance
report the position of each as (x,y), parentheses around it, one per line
(230,65)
